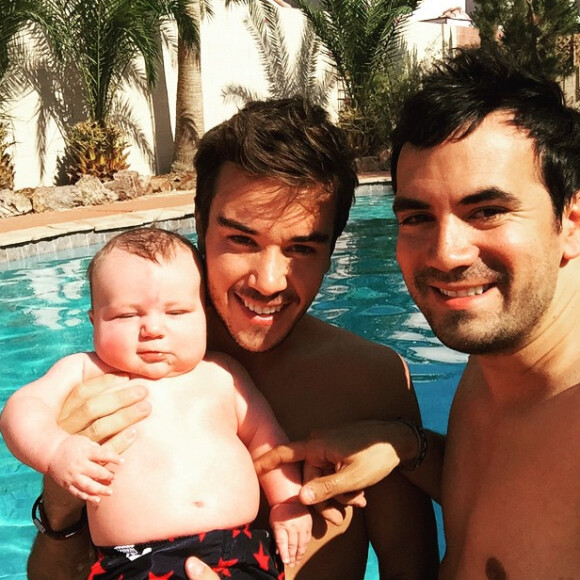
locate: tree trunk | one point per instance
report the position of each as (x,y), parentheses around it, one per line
(189,125)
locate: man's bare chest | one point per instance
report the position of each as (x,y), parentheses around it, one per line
(512,499)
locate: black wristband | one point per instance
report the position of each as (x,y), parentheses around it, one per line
(421,445)
(40,520)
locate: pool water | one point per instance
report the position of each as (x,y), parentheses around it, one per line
(43,305)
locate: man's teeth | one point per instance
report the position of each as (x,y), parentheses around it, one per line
(262,310)
(476,290)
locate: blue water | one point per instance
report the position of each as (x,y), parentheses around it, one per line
(43,305)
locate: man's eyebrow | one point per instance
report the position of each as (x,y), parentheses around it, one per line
(229,223)
(402,203)
(314,237)
(489,194)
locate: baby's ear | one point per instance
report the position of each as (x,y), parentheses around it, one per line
(91,317)
(571,229)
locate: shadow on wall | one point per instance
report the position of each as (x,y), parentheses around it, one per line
(61,104)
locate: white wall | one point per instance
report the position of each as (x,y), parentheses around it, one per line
(429,9)
(432,36)
(228,55)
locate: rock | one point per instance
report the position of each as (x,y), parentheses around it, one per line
(129,185)
(26,191)
(93,192)
(185,181)
(369,165)
(89,190)
(86,192)
(13,203)
(161,184)
(56,198)
(174,181)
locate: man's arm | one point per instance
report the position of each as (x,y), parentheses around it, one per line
(358,455)
(103,415)
(71,559)
(427,477)
(398,516)
(68,559)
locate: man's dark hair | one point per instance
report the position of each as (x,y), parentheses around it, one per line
(288,139)
(459,92)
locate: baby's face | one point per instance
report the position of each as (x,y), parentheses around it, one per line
(148,317)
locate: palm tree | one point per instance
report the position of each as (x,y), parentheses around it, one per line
(284,79)
(189,123)
(101,39)
(16,16)
(531,31)
(362,37)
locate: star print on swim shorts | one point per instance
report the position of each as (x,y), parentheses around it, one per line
(238,554)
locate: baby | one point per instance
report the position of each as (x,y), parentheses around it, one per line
(187,485)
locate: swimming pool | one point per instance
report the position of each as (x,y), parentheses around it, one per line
(43,307)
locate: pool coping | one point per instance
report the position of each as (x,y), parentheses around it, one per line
(33,234)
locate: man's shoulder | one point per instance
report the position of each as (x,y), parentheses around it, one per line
(344,357)
(334,339)
(313,327)
(328,376)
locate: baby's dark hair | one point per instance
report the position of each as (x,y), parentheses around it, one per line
(151,243)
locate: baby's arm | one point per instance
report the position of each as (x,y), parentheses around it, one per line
(259,430)
(29,427)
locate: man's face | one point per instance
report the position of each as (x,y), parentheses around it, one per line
(478,243)
(266,255)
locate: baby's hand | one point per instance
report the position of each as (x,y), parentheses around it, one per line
(292,526)
(79,466)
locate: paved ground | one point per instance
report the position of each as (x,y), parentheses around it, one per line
(152,202)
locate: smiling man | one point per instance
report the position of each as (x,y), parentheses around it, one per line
(489,239)
(486,174)
(267,256)
(274,188)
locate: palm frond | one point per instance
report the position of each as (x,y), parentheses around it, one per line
(360,35)
(286,76)
(124,117)
(102,38)
(239,94)
(279,58)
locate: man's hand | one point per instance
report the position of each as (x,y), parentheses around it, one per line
(197,570)
(104,409)
(342,462)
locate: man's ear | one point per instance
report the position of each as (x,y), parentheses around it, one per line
(571,229)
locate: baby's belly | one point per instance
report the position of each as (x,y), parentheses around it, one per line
(177,490)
